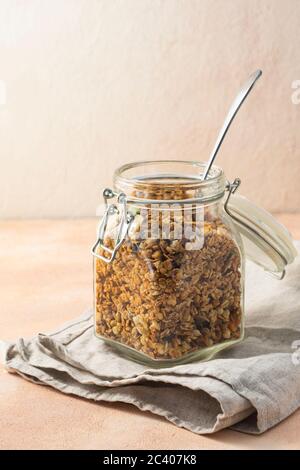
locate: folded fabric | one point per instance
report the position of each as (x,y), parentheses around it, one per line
(249,387)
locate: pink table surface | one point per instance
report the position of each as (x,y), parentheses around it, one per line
(46,279)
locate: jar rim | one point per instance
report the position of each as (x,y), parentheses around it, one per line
(170,174)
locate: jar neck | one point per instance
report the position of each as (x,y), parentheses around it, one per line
(170,180)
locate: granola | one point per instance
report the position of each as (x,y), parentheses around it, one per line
(165,300)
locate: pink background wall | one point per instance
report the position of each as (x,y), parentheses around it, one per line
(87,85)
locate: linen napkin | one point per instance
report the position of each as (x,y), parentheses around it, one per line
(249,387)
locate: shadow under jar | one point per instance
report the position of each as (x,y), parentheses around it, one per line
(169,265)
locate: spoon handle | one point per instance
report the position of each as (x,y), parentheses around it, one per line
(239,99)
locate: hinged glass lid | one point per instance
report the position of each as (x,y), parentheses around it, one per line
(266,242)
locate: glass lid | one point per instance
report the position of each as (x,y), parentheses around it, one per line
(266,242)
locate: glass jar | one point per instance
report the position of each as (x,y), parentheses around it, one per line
(169,261)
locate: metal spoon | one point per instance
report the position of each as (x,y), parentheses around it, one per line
(239,99)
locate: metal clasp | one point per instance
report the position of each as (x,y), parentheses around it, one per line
(231,188)
(126,219)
